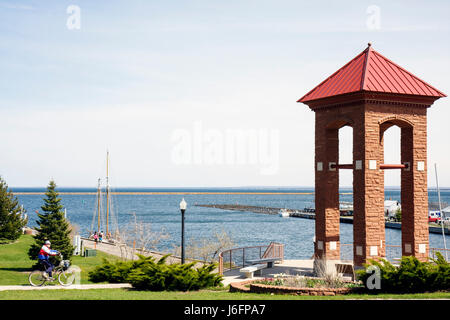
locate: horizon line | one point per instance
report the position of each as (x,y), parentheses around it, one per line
(199,187)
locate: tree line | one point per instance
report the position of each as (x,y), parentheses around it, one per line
(51,223)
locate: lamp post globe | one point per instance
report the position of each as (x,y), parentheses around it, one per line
(183,206)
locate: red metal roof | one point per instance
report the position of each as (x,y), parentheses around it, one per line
(370,71)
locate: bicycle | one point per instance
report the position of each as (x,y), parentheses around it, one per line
(63,273)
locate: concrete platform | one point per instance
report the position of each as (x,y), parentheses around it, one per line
(288,267)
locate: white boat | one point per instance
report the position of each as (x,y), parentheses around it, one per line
(346,206)
(283,213)
(391,207)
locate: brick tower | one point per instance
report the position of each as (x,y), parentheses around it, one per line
(370,94)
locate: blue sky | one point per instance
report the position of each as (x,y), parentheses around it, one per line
(138,71)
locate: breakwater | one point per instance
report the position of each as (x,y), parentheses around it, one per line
(240,207)
(306,213)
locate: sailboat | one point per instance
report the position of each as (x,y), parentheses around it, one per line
(440,210)
(108,220)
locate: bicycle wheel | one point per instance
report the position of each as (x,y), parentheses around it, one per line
(36,278)
(66,278)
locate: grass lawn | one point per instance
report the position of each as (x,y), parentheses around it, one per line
(218,294)
(15,264)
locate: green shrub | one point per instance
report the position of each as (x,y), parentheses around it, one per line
(146,274)
(441,279)
(398,215)
(108,272)
(411,275)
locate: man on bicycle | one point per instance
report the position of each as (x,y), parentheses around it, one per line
(44,253)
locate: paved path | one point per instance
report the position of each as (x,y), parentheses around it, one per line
(128,253)
(104,247)
(79,287)
(290,267)
(120,251)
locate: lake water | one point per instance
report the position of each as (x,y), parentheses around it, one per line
(245,228)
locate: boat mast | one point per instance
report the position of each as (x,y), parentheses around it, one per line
(107,193)
(440,211)
(98,206)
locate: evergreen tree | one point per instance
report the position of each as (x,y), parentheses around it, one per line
(11,220)
(398,215)
(53,226)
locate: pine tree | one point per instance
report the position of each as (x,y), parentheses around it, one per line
(53,226)
(11,220)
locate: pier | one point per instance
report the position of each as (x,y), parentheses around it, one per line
(306,213)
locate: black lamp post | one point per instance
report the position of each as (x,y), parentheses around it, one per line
(183,205)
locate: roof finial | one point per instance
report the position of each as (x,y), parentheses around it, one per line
(369,44)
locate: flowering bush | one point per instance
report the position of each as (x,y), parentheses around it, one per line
(304,282)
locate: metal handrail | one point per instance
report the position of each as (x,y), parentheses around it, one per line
(277,250)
